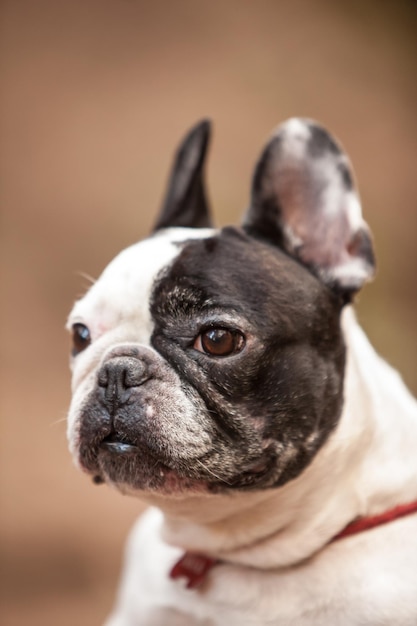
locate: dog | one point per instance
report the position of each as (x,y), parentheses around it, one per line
(220,375)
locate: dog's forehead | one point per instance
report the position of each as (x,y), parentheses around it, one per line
(124,288)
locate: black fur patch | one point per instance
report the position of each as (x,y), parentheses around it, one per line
(346,176)
(321,142)
(186,197)
(283,393)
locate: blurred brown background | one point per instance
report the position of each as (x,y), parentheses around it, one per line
(95,95)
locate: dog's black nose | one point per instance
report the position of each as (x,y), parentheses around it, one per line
(118,376)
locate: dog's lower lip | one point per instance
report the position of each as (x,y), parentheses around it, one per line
(118,447)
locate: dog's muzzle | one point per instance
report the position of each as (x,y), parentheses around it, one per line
(117,378)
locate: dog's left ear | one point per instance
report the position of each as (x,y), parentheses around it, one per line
(186,200)
(304,201)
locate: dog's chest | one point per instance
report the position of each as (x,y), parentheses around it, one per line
(352,581)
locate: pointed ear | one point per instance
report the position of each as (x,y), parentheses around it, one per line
(185,201)
(304,200)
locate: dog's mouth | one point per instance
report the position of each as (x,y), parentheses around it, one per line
(132,465)
(121,448)
(118,445)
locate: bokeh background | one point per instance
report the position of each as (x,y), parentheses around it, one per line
(95,94)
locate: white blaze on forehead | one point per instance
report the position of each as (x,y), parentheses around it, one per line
(123,291)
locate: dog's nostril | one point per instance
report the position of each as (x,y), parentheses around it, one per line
(103,377)
(135,375)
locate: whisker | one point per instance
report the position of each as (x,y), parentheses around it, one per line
(223,480)
(60,420)
(87,277)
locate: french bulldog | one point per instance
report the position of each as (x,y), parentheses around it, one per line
(220,375)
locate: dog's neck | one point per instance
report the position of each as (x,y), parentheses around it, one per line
(283,526)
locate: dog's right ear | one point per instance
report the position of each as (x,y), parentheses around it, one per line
(304,201)
(186,200)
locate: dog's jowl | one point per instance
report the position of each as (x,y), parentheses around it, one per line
(220,375)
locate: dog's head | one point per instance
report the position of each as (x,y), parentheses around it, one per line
(213,360)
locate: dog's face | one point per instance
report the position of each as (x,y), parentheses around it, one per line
(212,360)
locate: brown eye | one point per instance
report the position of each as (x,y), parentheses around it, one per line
(81,338)
(219,342)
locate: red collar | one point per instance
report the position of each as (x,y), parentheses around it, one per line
(195,567)
(366,523)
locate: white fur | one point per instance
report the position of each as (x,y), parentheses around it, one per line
(121,279)
(278,567)
(109,323)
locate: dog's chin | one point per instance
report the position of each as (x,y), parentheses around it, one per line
(133,468)
(129,470)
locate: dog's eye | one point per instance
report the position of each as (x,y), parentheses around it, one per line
(81,338)
(219,342)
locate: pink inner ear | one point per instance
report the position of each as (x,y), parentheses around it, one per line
(327,242)
(333,239)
